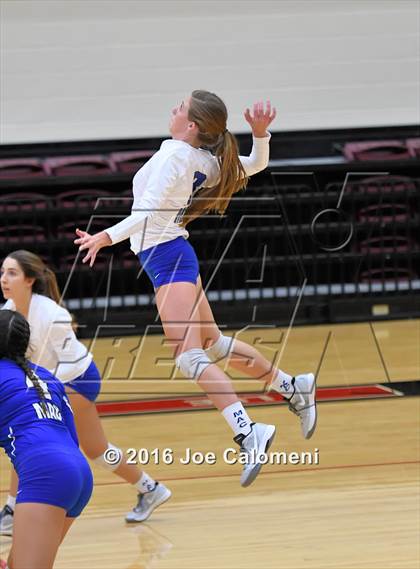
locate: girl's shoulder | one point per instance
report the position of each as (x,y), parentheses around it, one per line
(48,308)
(171,147)
(7,366)
(10,373)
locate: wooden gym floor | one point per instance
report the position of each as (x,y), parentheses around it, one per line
(358,508)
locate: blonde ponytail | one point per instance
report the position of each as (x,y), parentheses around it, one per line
(51,286)
(209,112)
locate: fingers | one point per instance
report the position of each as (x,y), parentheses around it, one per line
(83,242)
(259,112)
(89,247)
(270,112)
(86,243)
(91,256)
(83,236)
(258,109)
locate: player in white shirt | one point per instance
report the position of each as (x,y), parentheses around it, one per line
(196,172)
(30,288)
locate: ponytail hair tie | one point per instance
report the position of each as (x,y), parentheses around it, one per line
(225,131)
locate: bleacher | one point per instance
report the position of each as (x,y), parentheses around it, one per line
(303,241)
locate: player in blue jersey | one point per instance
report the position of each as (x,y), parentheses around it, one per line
(195,172)
(38,434)
(31,288)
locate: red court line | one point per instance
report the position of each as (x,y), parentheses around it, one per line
(264,473)
(200,403)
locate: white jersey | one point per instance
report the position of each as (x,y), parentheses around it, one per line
(53,343)
(162,189)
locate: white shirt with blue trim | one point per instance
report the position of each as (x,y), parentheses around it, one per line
(162,189)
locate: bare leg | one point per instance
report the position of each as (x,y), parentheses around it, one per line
(92,435)
(180,318)
(242,356)
(92,439)
(14,481)
(37,534)
(66,526)
(248,360)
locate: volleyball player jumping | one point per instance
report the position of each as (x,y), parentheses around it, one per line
(195,172)
(31,288)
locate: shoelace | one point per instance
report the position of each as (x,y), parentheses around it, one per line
(145,498)
(298,412)
(239,439)
(142,501)
(292,408)
(139,504)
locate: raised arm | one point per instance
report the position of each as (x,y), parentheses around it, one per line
(259,120)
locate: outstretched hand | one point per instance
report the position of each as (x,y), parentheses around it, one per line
(91,243)
(260,119)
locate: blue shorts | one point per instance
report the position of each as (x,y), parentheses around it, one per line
(88,384)
(170,262)
(55,475)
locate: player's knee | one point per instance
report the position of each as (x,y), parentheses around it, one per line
(220,349)
(110,459)
(193,362)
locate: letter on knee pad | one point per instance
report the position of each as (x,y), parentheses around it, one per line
(220,349)
(193,362)
(110,459)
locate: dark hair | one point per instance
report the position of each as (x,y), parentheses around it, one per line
(14,342)
(209,113)
(34,267)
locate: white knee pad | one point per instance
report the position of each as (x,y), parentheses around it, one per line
(193,362)
(110,459)
(220,349)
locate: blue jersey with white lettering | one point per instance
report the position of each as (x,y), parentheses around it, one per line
(24,425)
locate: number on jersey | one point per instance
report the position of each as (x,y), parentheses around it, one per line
(199,179)
(43,385)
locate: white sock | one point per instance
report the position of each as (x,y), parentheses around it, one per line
(145,483)
(237,418)
(283,384)
(11,502)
